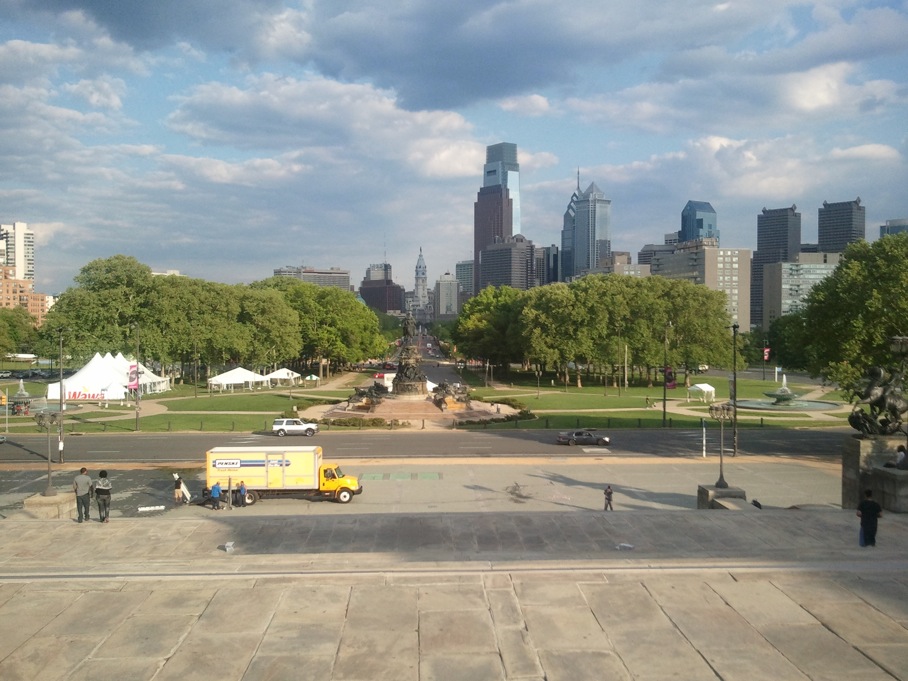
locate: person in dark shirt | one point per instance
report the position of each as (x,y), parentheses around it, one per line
(869,511)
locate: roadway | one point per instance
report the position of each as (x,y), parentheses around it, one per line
(22,449)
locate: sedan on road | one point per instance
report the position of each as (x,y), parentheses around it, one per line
(586,436)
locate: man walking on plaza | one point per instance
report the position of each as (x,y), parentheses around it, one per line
(869,511)
(607,492)
(82,488)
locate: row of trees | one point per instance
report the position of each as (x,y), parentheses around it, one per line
(849,319)
(601,321)
(117,303)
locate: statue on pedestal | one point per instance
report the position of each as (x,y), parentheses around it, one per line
(884,396)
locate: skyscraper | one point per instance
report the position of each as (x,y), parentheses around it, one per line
(511,262)
(839,224)
(496,212)
(896,226)
(17,243)
(420,303)
(586,231)
(698,221)
(778,240)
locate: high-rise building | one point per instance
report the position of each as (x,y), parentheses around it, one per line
(548,265)
(585,231)
(331,277)
(421,289)
(16,292)
(786,284)
(379,291)
(508,263)
(894,227)
(17,242)
(840,224)
(447,297)
(778,240)
(463,270)
(698,221)
(720,269)
(496,212)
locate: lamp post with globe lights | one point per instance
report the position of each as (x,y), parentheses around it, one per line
(46,420)
(721,413)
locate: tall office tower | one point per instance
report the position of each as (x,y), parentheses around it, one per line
(508,263)
(586,229)
(463,270)
(496,212)
(19,249)
(720,269)
(331,277)
(378,272)
(786,284)
(421,290)
(840,224)
(447,297)
(778,240)
(698,221)
(548,261)
(379,291)
(894,227)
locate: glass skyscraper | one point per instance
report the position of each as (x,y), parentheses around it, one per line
(496,212)
(698,221)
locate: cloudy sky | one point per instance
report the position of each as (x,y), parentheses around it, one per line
(227,138)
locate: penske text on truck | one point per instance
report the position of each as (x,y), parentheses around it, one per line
(276,471)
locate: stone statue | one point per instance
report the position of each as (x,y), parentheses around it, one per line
(409,326)
(884,396)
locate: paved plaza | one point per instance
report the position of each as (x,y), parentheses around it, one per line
(467,571)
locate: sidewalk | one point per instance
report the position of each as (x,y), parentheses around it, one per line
(490,580)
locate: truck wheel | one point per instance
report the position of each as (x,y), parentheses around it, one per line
(345,496)
(281,433)
(251,497)
(309,432)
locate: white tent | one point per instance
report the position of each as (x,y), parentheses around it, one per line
(236,377)
(288,375)
(148,380)
(105,378)
(704,391)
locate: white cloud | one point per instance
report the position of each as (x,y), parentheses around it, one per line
(100,93)
(529,105)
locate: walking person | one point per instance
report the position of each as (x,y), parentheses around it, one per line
(102,489)
(607,493)
(82,488)
(216,496)
(869,512)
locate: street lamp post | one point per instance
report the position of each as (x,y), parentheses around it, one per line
(61,458)
(138,380)
(734,383)
(665,377)
(721,413)
(538,376)
(46,420)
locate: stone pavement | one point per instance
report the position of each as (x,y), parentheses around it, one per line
(483,585)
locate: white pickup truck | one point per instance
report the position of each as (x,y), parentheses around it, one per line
(282,427)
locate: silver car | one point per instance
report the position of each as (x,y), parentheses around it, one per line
(586,436)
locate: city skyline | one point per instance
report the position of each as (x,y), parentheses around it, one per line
(227,140)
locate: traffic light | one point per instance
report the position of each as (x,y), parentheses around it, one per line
(2,399)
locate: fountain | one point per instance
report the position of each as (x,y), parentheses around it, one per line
(783,399)
(782,395)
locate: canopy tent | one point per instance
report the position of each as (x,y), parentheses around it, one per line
(148,380)
(105,378)
(236,377)
(703,391)
(283,375)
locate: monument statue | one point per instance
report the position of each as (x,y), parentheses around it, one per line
(884,396)
(410,380)
(409,327)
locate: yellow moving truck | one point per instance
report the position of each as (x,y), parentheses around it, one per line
(275,471)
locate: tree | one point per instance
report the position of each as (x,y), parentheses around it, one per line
(853,313)
(488,326)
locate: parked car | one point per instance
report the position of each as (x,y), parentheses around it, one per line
(5,374)
(282,427)
(586,436)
